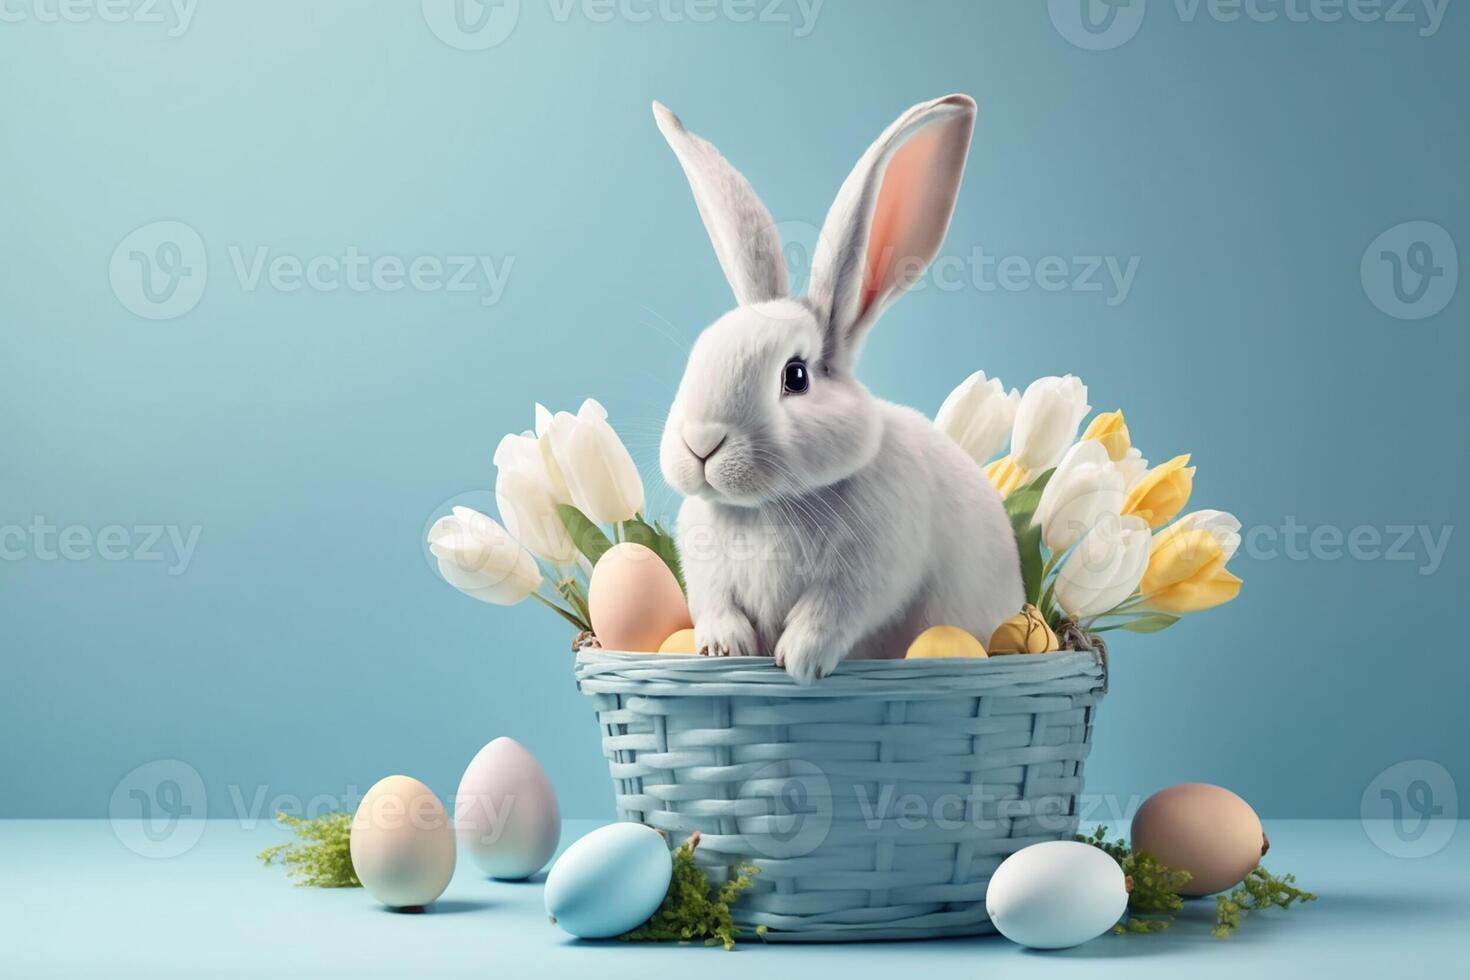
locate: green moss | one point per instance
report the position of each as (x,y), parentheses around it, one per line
(321,855)
(692,909)
(1154,899)
(1260,890)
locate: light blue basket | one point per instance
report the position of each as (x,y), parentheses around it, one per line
(876,803)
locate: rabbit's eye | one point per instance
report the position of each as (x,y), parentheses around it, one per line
(795,379)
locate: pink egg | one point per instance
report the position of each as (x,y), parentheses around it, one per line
(506,815)
(634,599)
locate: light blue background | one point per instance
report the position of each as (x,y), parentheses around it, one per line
(308,648)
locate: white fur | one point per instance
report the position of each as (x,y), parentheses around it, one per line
(830,523)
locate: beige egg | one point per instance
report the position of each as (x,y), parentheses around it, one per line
(402,845)
(1203,829)
(681,641)
(635,600)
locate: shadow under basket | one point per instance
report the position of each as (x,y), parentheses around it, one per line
(875,803)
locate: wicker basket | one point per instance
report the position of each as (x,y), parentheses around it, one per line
(876,803)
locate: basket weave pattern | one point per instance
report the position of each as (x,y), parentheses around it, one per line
(876,803)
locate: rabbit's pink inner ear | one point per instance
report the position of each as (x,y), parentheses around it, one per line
(913,209)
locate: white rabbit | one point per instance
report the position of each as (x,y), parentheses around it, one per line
(821,522)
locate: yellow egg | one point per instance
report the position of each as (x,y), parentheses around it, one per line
(1205,830)
(944,641)
(680,642)
(634,600)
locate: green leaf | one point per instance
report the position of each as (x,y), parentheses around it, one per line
(1151,623)
(1038,484)
(1028,542)
(588,537)
(659,541)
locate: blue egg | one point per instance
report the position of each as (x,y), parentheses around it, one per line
(610,881)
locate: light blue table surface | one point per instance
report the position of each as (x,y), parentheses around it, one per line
(75,902)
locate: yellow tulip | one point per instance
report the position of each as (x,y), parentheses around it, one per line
(1162,493)
(1025,632)
(1005,475)
(1186,571)
(1110,430)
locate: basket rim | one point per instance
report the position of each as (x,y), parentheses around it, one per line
(618,671)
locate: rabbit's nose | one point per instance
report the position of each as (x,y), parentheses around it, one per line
(703,438)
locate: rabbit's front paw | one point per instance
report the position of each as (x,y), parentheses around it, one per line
(806,654)
(725,634)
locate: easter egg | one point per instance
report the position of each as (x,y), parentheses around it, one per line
(1056,894)
(681,641)
(634,600)
(610,881)
(1203,829)
(505,814)
(944,641)
(1025,632)
(402,846)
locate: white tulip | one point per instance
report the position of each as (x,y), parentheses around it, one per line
(554,480)
(1085,488)
(1133,466)
(527,504)
(1223,527)
(978,415)
(1105,567)
(1047,421)
(481,559)
(600,475)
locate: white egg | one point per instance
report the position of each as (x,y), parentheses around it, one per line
(506,815)
(402,844)
(1056,894)
(610,881)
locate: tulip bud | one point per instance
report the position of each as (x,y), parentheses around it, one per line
(1005,476)
(1025,632)
(1186,565)
(1085,488)
(1162,492)
(1109,429)
(1133,467)
(600,474)
(978,415)
(1104,568)
(1047,420)
(527,505)
(478,557)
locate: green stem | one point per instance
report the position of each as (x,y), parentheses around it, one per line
(564,614)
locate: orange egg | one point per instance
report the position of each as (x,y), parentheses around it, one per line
(1205,830)
(634,600)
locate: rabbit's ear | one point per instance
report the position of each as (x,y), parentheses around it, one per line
(889,218)
(745,238)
